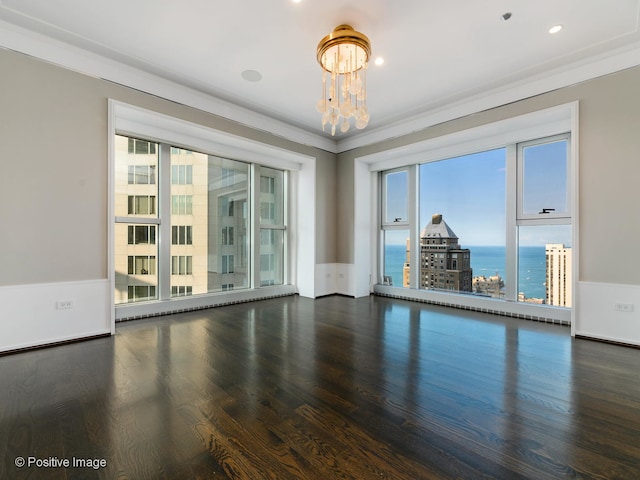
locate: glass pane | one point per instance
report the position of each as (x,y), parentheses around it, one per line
(189,213)
(136,264)
(271,196)
(396,197)
(271,257)
(136,189)
(544,265)
(225,226)
(544,179)
(396,258)
(462,216)
(136,193)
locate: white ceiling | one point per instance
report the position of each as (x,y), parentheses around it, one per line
(437,53)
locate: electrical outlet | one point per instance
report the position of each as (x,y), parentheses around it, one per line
(623,307)
(64,304)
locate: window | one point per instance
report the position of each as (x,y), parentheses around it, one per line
(203,211)
(142,174)
(181,235)
(182,265)
(395,197)
(272,227)
(182,204)
(267,185)
(181,290)
(227,264)
(462,223)
(227,236)
(141,147)
(142,265)
(182,174)
(267,211)
(543,171)
(137,293)
(544,222)
(141,205)
(468,239)
(141,234)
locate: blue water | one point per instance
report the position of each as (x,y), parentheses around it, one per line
(486,261)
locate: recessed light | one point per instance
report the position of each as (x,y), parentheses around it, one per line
(379,61)
(555,29)
(251,75)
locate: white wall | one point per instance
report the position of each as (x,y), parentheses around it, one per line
(600,312)
(31,314)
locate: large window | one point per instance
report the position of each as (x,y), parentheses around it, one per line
(184,221)
(495,223)
(544,222)
(272,227)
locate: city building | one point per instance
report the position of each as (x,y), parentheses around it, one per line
(491,286)
(444,265)
(559,276)
(406,268)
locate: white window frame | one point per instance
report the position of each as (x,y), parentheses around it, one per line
(538,218)
(536,125)
(130,120)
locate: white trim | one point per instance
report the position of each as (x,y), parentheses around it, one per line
(575,205)
(543,123)
(133,120)
(197,302)
(478,303)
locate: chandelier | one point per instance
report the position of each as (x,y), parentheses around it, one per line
(344,56)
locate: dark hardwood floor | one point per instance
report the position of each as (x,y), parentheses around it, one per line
(336,388)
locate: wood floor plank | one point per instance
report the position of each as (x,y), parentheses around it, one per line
(333,388)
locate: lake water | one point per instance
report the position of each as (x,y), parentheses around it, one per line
(486,261)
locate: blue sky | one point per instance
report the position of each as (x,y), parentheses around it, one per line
(469,191)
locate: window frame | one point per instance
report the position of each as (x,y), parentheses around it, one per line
(136,122)
(539,124)
(550,218)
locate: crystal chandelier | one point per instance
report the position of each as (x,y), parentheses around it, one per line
(344,56)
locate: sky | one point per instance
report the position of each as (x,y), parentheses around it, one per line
(469,191)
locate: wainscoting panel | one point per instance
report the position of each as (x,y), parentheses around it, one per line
(332,278)
(609,312)
(41,314)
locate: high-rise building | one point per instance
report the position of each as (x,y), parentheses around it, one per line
(406,269)
(443,264)
(207,237)
(558,284)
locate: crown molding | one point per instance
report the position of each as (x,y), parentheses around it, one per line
(23,40)
(19,39)
(614,61)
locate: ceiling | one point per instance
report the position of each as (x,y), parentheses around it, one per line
(436,53)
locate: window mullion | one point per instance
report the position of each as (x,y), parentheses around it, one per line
(254,224)
(511,227)
(285,220)
(164,215)
(414,227)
